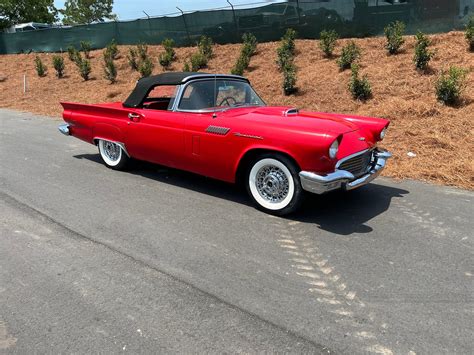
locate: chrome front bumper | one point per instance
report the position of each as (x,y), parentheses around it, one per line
(342,179)
(64,129)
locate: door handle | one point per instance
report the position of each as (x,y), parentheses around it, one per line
(134,117)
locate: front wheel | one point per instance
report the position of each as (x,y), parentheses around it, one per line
(112,155)
(273,183)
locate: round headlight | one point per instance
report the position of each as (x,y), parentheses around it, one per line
(333,149)
(382,134)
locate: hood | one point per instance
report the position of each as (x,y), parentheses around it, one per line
(290,117)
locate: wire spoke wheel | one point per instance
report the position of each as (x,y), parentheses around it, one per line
(112,154)
(272,184)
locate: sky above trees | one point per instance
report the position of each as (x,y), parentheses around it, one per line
(129,10)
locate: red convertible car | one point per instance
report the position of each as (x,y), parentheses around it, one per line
(216,125)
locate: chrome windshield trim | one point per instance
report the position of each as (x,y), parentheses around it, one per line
(183,86)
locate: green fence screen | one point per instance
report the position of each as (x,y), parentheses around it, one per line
(351,18)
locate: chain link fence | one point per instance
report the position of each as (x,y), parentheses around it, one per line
(350,18)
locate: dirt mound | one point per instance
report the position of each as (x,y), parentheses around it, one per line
(440,136)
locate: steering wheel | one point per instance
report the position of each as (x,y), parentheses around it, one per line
(226,99)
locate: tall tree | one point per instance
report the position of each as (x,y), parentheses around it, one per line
(13,12)
(87,11)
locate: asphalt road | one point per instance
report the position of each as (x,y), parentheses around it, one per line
(158,260)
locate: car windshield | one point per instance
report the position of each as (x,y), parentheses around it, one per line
(218,94)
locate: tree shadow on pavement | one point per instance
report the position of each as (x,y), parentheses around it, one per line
(337,212)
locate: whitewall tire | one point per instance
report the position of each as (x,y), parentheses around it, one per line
(273,184)
(112,154)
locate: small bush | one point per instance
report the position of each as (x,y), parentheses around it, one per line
(145,67)
(350,53)
(110,70)
(327,43)
(394,34)
(132,58)
(289,79)
(248,49)
(422,54)
(205,47)
(250,44)
(72,53)
(450,85)
(168,45)
(242,63)
(58,65)
(112,50)
(289,38)
(470,33)
(165,60)
(142,50)
(284,56)
(40,67)
(186,66)
(86,48)
(359,88)
(198,61)
(84,68)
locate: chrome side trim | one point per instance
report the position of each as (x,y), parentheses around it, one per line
(320,184)
(64,129)
(122,145)
(217,130)
(237,134)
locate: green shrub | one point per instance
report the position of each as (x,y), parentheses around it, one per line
(250,44)
(327,43)
(165,59)
(132,58)
(242,63)
(359,88)
(470,33)
(394,34)
(186,66)
(86,48)
(112,50)
(205,47)
(72,53)
(450,85)
(84,68)
(145,67)
(58,65)
(40,67)
(289,79)
(289,38)
(422,54)
(248,49)
(142,50)
(110,70)
(168,45)
(350,53)
(198,61)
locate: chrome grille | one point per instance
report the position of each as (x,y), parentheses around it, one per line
(357,164)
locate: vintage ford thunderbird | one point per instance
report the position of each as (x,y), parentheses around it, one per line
(217,126)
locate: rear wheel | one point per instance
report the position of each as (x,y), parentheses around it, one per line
(112,155)
(273,184)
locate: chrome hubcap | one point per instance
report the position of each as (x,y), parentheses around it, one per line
(112,151)
(272,184)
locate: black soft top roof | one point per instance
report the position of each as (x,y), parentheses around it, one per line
(145,85)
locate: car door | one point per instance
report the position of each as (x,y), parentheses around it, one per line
(209,145)
(156,136)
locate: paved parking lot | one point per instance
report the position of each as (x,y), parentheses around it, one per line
(95,260)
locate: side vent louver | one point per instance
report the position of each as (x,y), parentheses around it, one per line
(217,130)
